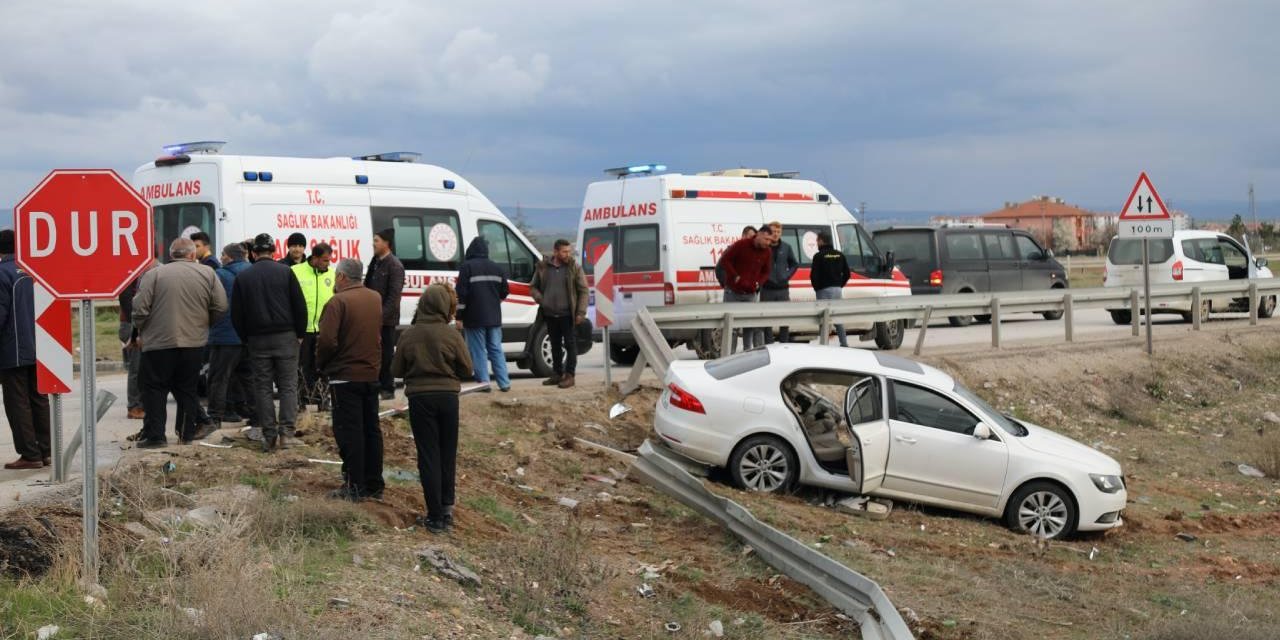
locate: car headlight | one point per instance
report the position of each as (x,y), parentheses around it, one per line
(1107,484)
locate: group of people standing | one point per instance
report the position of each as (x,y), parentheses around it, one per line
(759,266)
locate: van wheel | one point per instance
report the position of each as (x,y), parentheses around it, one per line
(765,464)
(625,355)
(1267,308)
(1121,317)
(983,319)
(540,352)
(1204,313)
(1053,315)
(889,334)
(707,344)
(960,321)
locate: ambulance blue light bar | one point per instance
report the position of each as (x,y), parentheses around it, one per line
(635,170)
(264,176)
(392,156)
(251,176)
(187,148)
(362,179)
(448,184)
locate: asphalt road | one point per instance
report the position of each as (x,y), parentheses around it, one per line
(1017,330)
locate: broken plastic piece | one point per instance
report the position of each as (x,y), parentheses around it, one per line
(617,410)
(645,591)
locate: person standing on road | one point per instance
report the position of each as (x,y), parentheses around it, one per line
(560,288)
(433,360)
(386,276)
(204,250)
(482,286)
(295,250)
(26,408)
(174,307)
(349,352)
(270,316)
(829,274)
(130,350)
(746,265)
(778,287)
(316,281)
(225,348)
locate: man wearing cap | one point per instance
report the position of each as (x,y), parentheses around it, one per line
(316,280)
(26,408)
(270,316)
(386,276)
(297,249)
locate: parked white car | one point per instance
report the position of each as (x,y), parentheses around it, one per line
(873,423)
(1190,256)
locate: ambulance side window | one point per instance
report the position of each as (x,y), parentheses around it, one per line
(172,220)
(639,249)
(506,249)
(803,242)
(425,239)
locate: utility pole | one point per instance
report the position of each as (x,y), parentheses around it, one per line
(1253,213)
(862,214)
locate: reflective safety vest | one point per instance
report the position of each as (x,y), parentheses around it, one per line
(317,289)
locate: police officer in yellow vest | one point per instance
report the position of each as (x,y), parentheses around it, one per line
(317,283)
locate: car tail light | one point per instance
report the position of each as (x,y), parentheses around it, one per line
(1177,270)
(685,400)
(668,294)
(935,278)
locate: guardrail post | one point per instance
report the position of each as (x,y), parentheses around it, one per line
(726,335)
(1195,308)
(1068,315)
(924,327)
(637,370)
(1135,311)
(1253,303)
(995,323)
(824,327)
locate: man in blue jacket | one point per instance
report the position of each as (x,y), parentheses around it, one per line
(482,286)
(26,409)
(225,349)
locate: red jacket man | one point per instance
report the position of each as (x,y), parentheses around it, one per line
(747,263)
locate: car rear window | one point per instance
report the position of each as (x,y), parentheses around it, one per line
(907,245)
(737,364)
(1129,251)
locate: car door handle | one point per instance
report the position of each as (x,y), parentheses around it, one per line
(905,439)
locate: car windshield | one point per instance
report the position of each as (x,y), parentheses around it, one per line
(1127,251)
(1009,425)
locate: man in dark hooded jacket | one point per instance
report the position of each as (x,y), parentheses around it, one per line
(482,286)
(26,408)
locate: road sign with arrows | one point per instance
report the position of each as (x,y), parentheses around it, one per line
(1144,214)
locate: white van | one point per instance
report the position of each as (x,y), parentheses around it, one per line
(668,231)
(434,213)
(1190,256)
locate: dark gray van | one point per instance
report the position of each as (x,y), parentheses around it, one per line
(972,259)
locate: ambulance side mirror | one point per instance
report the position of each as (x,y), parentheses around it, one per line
(889,262)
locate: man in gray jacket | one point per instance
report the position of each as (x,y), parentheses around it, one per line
(778,287)
(172,311)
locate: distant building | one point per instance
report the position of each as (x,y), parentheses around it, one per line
(1041,214)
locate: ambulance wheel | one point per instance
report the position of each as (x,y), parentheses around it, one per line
(983,319)
(960,321)
(540,353)
(889,334)
(1267,308)
(1121,317)
(624,355)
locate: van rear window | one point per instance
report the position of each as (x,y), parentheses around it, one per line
(907,245)
(1129,251)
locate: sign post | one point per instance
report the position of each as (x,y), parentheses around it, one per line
(603,270)
(1145,216)
(83,235)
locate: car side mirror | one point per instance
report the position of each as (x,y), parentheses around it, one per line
(890,261)
(1047,254)
(1261,262)
(981,431)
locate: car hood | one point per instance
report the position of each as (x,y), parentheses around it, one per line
(1042,440)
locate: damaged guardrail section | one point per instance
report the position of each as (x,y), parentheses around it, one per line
(852,593)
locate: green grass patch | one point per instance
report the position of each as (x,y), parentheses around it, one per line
(489,506)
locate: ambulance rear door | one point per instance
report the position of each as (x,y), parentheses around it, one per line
(624,214)
(184,198)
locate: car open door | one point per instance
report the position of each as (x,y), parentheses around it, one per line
(868,452)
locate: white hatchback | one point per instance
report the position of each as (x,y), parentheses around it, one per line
(1190,256)
(877,424)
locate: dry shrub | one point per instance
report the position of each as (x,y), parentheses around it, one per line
(1268,460)
(557,574)
(304,518)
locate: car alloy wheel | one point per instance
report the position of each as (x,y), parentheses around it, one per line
(763,468)
(1043,514)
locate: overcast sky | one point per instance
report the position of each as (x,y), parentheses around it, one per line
(905,105)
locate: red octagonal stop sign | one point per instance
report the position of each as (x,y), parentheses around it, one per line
(83,233)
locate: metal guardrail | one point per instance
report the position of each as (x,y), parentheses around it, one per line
(854,594)
(650,321)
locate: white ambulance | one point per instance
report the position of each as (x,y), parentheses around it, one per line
(342,201)
(669,230)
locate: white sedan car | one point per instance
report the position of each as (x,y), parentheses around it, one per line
(873,423)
